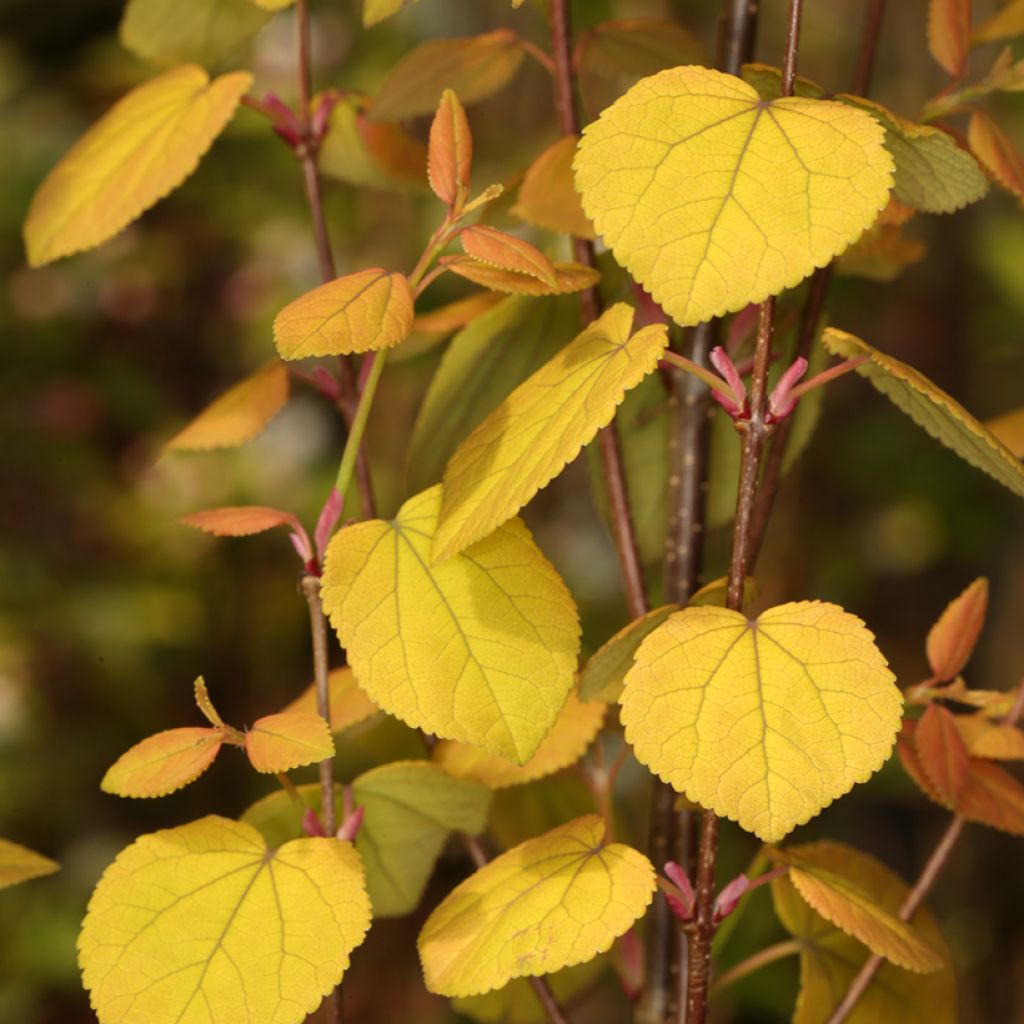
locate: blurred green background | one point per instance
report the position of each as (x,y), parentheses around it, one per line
(108,609)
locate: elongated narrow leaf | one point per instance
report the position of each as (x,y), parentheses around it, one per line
(239,520)
(713,198)
(569,277)
(239,415)
(830,959)
(179,31)
(556,900)
(481,648)
(473,67)
(450,158)
(765,721)
(290,739)
(203,922)
(506,252)
(163,763)
(952,639)
(949,34)
(942,753)
(1006,23)
(930,407)
(20,864)
(542,426)
(410,809)
(454,315)
(997,153)
(574,730)
(548,198)
(349,703)
(371,309)
(145,146)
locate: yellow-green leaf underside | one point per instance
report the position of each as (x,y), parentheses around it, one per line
(556,900)
(481,648)
(713,198)
(930,407)
(20,864)
(542,426)
(143,147)
(764,721)
(203,923)
(829,959)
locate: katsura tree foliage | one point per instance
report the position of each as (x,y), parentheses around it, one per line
(714,189)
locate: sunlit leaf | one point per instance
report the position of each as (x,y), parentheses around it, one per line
(764,721)
(713,198)
(370,309)
(506,252)
(290,739)
(614,55)
(481,648)
(542,426)
(1006,23)
(554,901)
(829,959)
(569,277)
(949,34)
(349,703)
(473,67)
(941,752)
(179,31)
(142,148)
(203,922)
(239,520)
(163,763)
(450,158)
(239,415)
(574,730)
(952,639)
(988,739)
(930,407)
(548,198)
(997,153)
(1009,428)
(20,864)
(411,807)
(273,5)
(375,11)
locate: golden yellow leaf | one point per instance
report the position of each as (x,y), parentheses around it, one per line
(554,901)
(952,639)
(273,5)
(506,252)
(997,153)
(143,147)
(163,763)
(764,721)
(350,704)
(574,730)
(1004,24)
(481,648)
(988,739)
(569,277)
(829,959)
(290,739)
(1009,428)
(548,198)
(203,922)
(949,34)
(371,309)
(931,408)
(20,864)
(713,198)
(375,11)
(542,426)
(454,315)
(450,157)
(239,414)
(855,911)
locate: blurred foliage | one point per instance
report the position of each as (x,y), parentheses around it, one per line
(109,609)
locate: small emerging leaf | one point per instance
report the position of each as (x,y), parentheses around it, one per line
(556,900)
(952,639)
(569,277)
(349,703)
(997,153)
(163,763)
(941,752)
(548,198)
(450,157)
(290,739)
(20,864)
(949,34)
(506,252)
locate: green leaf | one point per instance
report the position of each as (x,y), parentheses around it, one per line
(376,11)
(145,146)
(484,362)
(473,67)
(182,31)
(203,922)
(554,901)
(481,648)
(19,864)
(542,426)
(713,198)
(930,407)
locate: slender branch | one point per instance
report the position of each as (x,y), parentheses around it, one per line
(354,441)
(870,35)
(762,958)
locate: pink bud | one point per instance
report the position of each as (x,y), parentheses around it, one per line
(329,516)
(735,405)
(780,402)
(727,899)
(301,544)
(683,907)
(311,824)
(349,828)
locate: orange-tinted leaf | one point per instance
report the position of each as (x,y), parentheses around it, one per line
(569,277)
(205,705)
(163,763)
(506,252)
(995,741)
(996,153)
(350,704)
(20,864)
(240,520)
(290,739)
(1009,428)
(455,314)
(548,198)
(951,640)
(1004,24)
(371,309)
(949,34)
(907,751)
(941,752)
(450,156)
(239,414)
